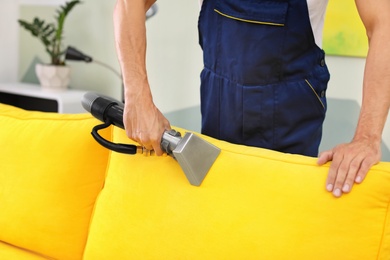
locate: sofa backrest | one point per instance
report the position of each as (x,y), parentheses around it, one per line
(253,204)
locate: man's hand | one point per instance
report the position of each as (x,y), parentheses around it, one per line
(144,123)
(350,164)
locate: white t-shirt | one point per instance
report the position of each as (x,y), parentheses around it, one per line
(317,9)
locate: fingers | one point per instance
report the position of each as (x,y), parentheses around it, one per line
(150,139)
(146,126)
(342,174)
(147,140)
(350,164)
(336,175)
(325,157)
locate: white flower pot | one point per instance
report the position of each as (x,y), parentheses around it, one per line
(53,77)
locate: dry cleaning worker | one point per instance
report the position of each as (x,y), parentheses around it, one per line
(264,80)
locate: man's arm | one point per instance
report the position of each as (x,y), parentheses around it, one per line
(352,161)
(143,122)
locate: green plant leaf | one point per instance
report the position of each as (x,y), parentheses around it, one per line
(50,35)
(39,29)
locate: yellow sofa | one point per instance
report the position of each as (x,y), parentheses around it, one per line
(62,196)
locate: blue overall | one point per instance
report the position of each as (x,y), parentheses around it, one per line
(264,78)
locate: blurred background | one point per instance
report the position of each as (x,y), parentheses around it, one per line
(174,60)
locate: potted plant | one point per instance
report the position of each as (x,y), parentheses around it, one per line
(56,74)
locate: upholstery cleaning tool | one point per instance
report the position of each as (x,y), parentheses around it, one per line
(194,155)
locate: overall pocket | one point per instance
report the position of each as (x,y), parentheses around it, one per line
(253,34)
(258,12)
(319,94)
(300,108)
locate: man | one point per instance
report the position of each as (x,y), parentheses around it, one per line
(264,80)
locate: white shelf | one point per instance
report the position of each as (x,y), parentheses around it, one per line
(68,101)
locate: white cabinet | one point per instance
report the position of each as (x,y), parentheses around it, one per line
(33,97)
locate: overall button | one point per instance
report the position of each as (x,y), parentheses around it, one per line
(322,94)
(322,62)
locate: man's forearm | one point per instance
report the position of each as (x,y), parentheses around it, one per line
(376,84)
(130,41)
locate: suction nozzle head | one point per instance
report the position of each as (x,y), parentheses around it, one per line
(195,156)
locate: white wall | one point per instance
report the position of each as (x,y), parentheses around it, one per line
(174,56)
(9,41)
(346,77)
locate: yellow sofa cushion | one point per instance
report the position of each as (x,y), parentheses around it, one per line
(51,173)
(253,204)
(9,252)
